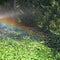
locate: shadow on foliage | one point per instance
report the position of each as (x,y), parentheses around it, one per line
(53,41)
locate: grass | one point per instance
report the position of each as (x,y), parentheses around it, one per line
(25,49)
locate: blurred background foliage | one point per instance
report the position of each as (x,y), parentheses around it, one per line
(39,13)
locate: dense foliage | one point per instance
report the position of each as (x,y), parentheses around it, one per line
(41,13)
(25,49)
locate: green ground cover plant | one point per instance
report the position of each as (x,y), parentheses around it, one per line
(25,49)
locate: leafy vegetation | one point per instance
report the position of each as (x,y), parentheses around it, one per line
(25,49)
(45,16)
(41,13)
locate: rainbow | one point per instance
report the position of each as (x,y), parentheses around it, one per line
(13,22)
